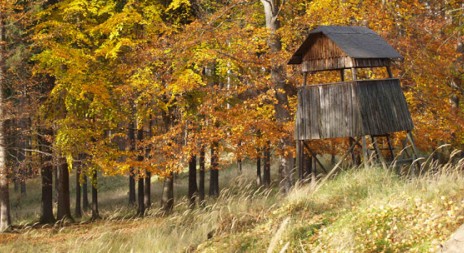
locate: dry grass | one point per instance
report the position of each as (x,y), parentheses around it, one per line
(361,210)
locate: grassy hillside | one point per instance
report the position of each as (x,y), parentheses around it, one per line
(361,210)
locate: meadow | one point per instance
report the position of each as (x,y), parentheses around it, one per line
(359,210)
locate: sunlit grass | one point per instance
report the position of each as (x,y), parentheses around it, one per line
(360,210)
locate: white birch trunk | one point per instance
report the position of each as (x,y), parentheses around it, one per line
(5,220)
(286,162)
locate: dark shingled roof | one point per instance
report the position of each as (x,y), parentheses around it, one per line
(355,41)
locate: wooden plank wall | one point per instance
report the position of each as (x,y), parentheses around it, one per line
(342,63)
(370,107)
(383,107)
(324,54)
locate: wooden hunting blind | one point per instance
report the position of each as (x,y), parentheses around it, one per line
(355,108)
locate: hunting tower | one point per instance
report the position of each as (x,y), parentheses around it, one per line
(355,108)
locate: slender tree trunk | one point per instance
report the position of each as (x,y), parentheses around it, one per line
(147,185)
(46,172)
(201,190)
(95,212)
(78,209)
(47,194)
(286,161)
(56,175)
(140,199)
(23,186)
(167,200)
(239,159)
(192,188)
(214,171)
(23,144)
(267,165)
(147,190)
(259,179)
(131,136)
(141,188)
(5,218)
(64,205)
(85,195)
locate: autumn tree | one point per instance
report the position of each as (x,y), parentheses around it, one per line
(277,71)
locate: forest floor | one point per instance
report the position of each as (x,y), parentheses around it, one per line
(360,210)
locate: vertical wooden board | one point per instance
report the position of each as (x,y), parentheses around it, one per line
(299,109)
(346,107)
(339,114)
(325,124)
(322,124)
(315,108)
(306,111)
(357,125)
(364,107)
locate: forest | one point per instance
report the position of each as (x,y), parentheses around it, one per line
(176,93)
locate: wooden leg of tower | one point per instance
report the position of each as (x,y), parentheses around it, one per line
(300,155)
(390,148)
(314,156)
(312,173)
(355,156)
(413,145)
(364,151)
(378,153)
(308,166)
(415,153)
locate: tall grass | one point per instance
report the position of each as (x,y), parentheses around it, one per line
(360,210)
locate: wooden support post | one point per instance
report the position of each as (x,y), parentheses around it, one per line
(312,173)
(390,147)
(353,156)
(305,77)
(390,75)
(314,155)
(414,150)
(354,73)
(365,152)
(342,75)
(378,153)
(413,145)
(300,155)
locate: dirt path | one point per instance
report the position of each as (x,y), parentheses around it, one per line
(456,243)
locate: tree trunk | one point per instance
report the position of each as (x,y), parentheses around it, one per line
(214,171)
(167,200)
(78,209)
(56,175)
(147,185)
(131,136)
(141,188)
(46,172)
(192,187)
(140,197)
(147,190)
(286,161)
(85,195)
(64,205)
(259,179)
(95,212)
(5,218)
(201,190)
(267,165)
